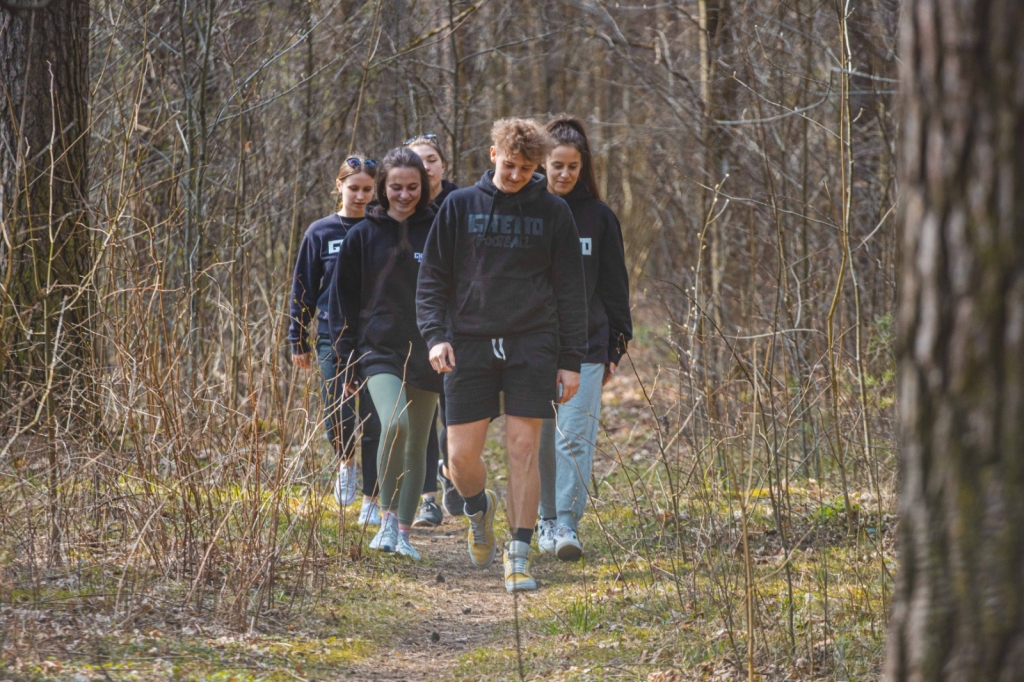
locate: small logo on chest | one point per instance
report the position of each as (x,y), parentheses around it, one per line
(588,245)
(334,246)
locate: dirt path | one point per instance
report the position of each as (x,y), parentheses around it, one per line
(462,609)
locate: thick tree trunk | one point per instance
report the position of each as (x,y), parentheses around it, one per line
(45,252)
(959,603)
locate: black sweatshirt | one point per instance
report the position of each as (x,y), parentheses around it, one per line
(446,189)
(503,265)
(373,298)
(610,325)
(314,269)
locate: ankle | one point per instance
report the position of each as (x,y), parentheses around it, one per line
(476,503)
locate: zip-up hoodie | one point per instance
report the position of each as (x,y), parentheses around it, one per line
(373,298)
(314,269)
(503,265)
(609,324)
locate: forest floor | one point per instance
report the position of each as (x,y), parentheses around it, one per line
(641,606)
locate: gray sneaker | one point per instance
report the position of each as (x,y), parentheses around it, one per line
(452,500)
(567,545)
(429,516)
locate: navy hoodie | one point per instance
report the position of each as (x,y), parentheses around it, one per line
(503,265)
(609,324)
(314,269)
(373,298)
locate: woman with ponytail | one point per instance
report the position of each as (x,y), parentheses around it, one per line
(373,319)
(314,269)
(568,442)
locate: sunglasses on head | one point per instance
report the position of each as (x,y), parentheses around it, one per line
(356,162)
(428,136)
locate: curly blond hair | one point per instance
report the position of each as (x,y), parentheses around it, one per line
(522,136)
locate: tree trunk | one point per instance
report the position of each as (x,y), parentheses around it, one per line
(45,253)
(959,602)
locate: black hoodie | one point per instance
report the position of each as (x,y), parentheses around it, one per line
(503,265)
(447,188)
(373,298)
(314,269)
(610,325)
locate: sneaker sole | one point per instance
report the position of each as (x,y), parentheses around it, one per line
(425,523)
(520,586)
(569,552)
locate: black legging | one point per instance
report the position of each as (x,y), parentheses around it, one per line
(436,447)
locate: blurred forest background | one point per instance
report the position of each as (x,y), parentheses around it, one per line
(157,447)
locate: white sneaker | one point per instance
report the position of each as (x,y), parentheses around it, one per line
(405,547)
(369,513)
(546,535)
(567,545)
(386,538)
(345,486)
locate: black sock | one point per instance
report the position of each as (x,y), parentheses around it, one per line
(476,503)
(523,535)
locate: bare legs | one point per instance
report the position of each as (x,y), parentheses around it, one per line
(466,467)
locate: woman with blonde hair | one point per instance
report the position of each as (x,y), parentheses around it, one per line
(314,268)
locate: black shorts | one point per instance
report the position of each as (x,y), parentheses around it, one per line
(524,368)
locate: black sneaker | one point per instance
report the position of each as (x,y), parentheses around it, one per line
(453,502)
(429,516)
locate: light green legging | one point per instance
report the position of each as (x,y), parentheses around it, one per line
(406,413)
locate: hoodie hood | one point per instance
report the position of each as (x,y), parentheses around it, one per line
(538,183)
(577,193)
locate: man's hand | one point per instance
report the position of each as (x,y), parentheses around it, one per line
(570,383)
(301,360)
(442,357)
(609,372)
(350,388)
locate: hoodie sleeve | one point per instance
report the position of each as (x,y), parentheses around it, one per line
(613,287)
(436,277)
(345,298)
(570,291)
(309,269)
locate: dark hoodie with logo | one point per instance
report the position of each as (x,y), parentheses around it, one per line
(502,265)
(314,268)
(609,325)
(373,298)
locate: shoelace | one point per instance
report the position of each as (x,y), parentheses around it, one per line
(390,537)
(518,564)
(479,531)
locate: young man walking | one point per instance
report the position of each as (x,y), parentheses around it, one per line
(502,306)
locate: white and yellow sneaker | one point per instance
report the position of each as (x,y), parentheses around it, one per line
(517,568)
(481,543)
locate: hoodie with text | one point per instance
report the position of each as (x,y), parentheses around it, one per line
(610,324)
(503,265)
(373,298)
(314,269)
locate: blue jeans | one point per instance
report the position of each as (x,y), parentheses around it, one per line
(566,455)
(341,418)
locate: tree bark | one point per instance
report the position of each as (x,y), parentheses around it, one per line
(46,250)
(959,603)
